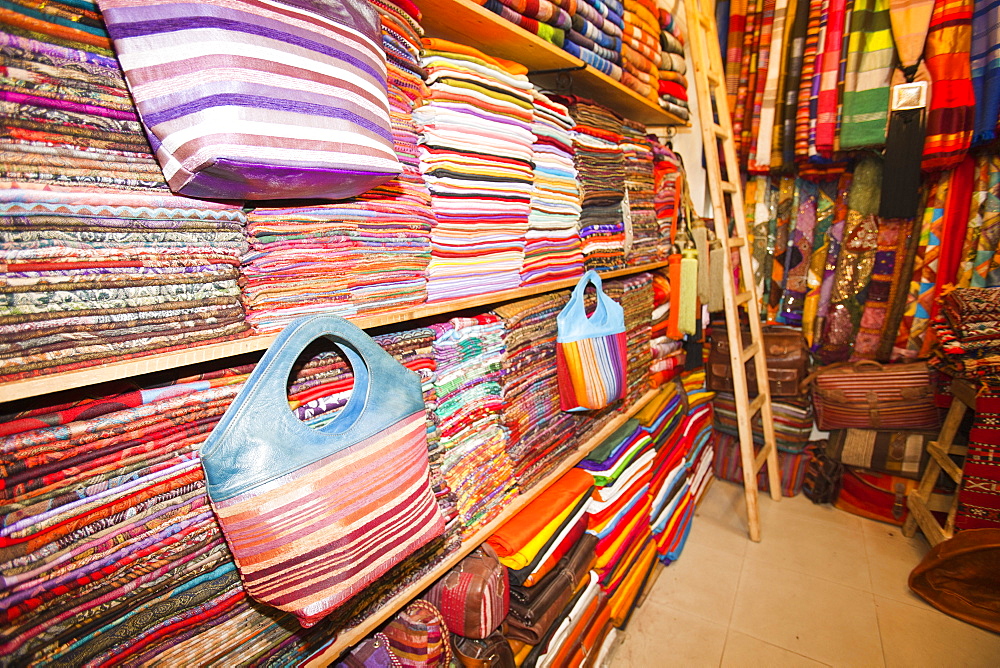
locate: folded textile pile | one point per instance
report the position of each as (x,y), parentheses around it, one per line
(672,68)
(968,333)
(596,35)
(96,274)
(468,353)
(552,242)
(793,421)
(549,19)
(639,207)
(635,294)
(600,165)
(676,498)
(361,256)
(978,497)
(539,433)
(668,174)
(618,513)
(67,116)
(641,47)
(475,155)
(728,465)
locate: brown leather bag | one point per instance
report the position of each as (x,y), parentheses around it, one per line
(787,362)
(959,577)
(474,596)
(492,651)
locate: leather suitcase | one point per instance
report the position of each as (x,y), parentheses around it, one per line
(787,362)
(491,652)
(474,596)
(877,496)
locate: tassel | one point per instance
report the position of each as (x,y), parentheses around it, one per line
(674,276)
(904,148)
(700,235)
(687,320)
(716,300)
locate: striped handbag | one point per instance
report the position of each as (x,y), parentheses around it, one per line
(259,99)
(869,395)
(314,514)
(591,351)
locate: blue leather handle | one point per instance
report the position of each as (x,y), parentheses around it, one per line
(574,324)
(259,437)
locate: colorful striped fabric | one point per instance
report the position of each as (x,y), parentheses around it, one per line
(986,69)
(870,56)
(260,100)
(829,78)
(592,372)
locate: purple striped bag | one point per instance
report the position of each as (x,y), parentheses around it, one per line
(259,99)
(313,515)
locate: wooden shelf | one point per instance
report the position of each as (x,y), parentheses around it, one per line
(465,22)
(353,636)
(58,381)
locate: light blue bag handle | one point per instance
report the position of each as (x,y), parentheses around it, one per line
(573,323)
(259,438)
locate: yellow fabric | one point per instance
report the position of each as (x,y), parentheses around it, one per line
(647,416)
(436,44)
(627,592)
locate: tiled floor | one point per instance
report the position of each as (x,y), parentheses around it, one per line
(823,587)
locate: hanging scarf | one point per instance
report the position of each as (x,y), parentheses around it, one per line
(951,112)
(793,80)
(759,90)
(799,254)
(836,235)
(783,221)
(985,63)
(890,250)
(829,70)
(975,227)
(734,50)
(870,57)
(809,52)
(986,269)
(748,82)
(825,196)
(760,155)
(899,286)
(854,263)
(905,136)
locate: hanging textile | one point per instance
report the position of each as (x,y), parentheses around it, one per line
(760,155)
(890,249)
(986,265)
(825,196)
(829,79)
(793,81)
(784,214)
(985,61)
(870,56)
(809,58)
(747,80)
(734,49)
(836,235)
(950,113)
(799,254)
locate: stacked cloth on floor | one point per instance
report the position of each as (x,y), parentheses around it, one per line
(110,552)
(476,157)
(618,513)
(549,19)
(967,327)
(539,434)
(979,494)
(600,164)
(67,117)
(468,353)
(728,465)
(668,354)
(635,294)
(672,68)
(793,421)
(596,35)
(552,242)
(668,174)
(92,274)
(355,257)
(641,48)
(639,208)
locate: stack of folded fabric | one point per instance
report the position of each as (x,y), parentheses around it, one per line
(539,433)
(68,118)
(600,165)
(468,354)
(98,274)
(639,208)
(476,157)
(361,256)
(728,465)
(552,243)
(793,421)
(549,19)
(668,173)
(635,294)
(596,36)
(620,508)
(968,333)
(673,88)
(641,48)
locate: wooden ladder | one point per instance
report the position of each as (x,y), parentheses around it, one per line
(731,228)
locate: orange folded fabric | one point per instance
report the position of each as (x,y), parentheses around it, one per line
(437,44)
(525,525)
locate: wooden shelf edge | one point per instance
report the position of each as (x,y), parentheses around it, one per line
(65,380)
(355,635)
(465,22)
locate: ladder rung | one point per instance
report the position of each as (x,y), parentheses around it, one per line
(736,242)
(713,78)
(720,132)
(728,187)
(755,405)
(743,298)
(750,351)
(758,462)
